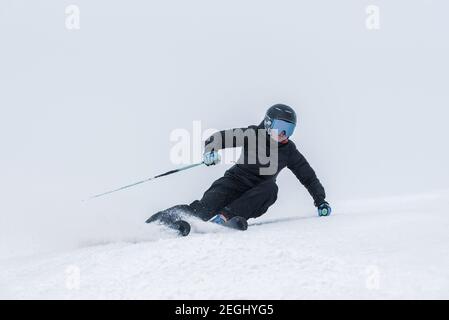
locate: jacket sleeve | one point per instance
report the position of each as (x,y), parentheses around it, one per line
(298,164)
(231,138)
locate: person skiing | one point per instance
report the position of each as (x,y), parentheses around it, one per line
(249,187)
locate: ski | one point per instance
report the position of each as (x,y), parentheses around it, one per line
(171,218)
(181,226)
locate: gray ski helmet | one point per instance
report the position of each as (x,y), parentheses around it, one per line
(279,112)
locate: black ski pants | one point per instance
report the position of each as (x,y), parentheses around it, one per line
(236,197)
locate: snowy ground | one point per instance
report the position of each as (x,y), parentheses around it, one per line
(384,248)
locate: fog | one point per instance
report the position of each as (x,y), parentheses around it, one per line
(84,111)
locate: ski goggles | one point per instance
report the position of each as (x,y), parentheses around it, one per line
(283,127)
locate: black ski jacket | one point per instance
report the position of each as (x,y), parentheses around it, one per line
(249,168)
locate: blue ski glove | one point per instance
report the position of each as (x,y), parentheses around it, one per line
(211,158)
(324,209)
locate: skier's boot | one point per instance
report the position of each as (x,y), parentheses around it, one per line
(234,222)
(219,219)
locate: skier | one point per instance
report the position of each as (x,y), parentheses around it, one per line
(249,188)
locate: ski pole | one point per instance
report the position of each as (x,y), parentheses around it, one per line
(146,180)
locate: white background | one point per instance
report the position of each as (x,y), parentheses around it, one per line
(84,111)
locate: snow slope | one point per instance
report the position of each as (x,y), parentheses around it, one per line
(382,248)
